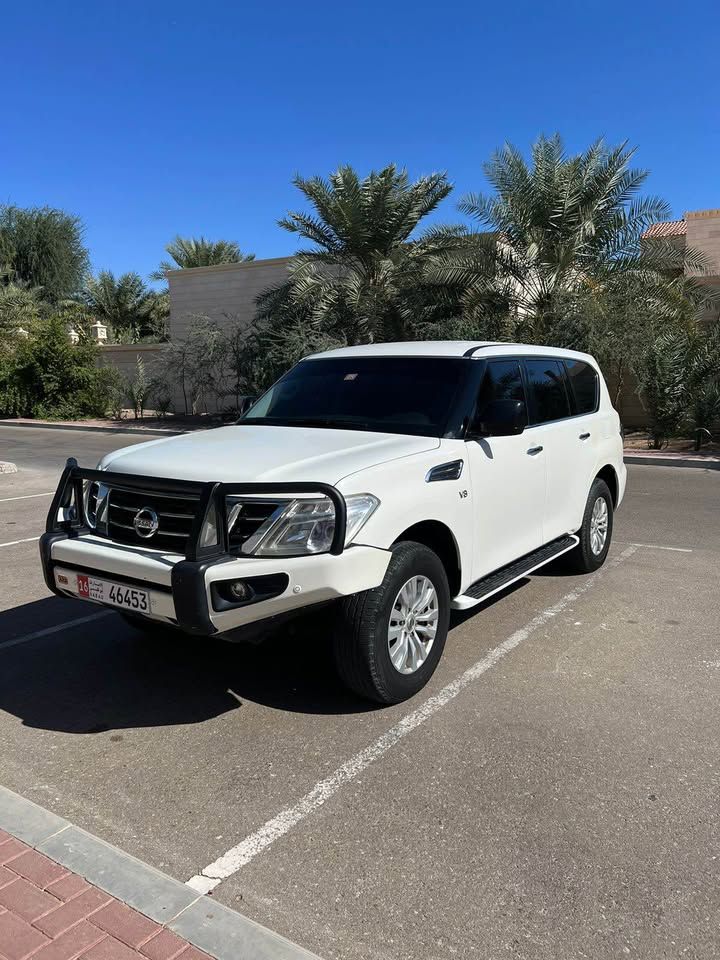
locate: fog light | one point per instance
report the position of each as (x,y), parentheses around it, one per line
(239,590)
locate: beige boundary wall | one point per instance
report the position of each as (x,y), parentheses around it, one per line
(124,356)
(225,293)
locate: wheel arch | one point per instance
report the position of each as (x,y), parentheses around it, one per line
(608,474)
(439,538)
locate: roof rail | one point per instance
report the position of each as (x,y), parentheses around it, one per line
(481,346)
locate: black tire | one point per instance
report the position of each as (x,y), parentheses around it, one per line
(583,558)
(360,637)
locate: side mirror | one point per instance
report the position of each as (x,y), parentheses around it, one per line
(501,418)
(246,403)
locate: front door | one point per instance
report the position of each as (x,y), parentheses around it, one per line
(507,480)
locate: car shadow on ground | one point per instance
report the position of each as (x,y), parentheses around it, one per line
(105,675)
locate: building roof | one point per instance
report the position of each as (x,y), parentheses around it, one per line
(667,228)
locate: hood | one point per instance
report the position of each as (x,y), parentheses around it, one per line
(277,454)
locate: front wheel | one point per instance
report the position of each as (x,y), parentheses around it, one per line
(596,531)
(388,641)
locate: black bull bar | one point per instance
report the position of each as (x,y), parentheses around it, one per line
(188,580)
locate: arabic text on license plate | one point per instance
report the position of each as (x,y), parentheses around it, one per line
(104,591)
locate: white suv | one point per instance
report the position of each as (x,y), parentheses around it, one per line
(403,480)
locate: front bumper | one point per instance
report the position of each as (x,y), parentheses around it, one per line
(180,588)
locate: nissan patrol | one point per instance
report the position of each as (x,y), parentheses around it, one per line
(401,480)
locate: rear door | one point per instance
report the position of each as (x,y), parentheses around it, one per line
(507,482)
(583,434)
(553,436)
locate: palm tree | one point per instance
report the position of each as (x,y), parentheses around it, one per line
(362,278)
(21,307)
(199,252)
(558,227)
(124,303)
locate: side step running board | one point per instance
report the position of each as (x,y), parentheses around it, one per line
(499,579)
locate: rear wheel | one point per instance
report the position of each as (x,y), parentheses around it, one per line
(388,641)
(596,531)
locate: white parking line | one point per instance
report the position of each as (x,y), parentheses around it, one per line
(657,546)
(48,631)
(245,851)
(27,496)
(11,543)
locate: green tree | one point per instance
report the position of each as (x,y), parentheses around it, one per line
(681,374)
(699,368)
(124,303)
(557,228)
(42,247)
(362,279)
(189,252)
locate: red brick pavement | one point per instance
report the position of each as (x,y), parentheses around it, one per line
(49,913)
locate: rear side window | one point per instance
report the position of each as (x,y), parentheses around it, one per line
(546,388)
(584,385)
(502,381)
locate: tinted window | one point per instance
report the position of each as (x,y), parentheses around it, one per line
(584,381)
(502,381)
(546,386)
(386,394)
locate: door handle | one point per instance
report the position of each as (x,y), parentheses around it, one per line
(533,450)
(584,436)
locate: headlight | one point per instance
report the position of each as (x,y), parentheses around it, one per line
(303,526)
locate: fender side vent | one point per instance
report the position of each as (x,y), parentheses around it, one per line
(445,471)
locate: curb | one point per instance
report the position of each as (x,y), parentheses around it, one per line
(208,925)
(34,424)
(663,460)
(7,467)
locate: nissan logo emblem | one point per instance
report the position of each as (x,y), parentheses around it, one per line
(146,523)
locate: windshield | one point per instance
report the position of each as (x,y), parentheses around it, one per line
(384,394)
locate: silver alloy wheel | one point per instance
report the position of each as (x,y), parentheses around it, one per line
(413,624)
(598,525)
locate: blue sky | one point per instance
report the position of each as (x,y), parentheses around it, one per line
(149,119)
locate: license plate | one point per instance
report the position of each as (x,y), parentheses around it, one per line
(116,594)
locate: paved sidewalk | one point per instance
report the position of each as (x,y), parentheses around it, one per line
(66,894)
(672,458)
(50,913)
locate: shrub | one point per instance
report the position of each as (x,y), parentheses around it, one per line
(138,389)
(660,392)
(161,394)
(117,392)
(45,376)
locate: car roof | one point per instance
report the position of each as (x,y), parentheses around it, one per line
(477,349)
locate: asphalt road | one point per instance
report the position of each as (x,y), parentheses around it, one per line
(553,793)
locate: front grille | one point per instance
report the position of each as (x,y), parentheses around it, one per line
(175,517)
(252,515)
